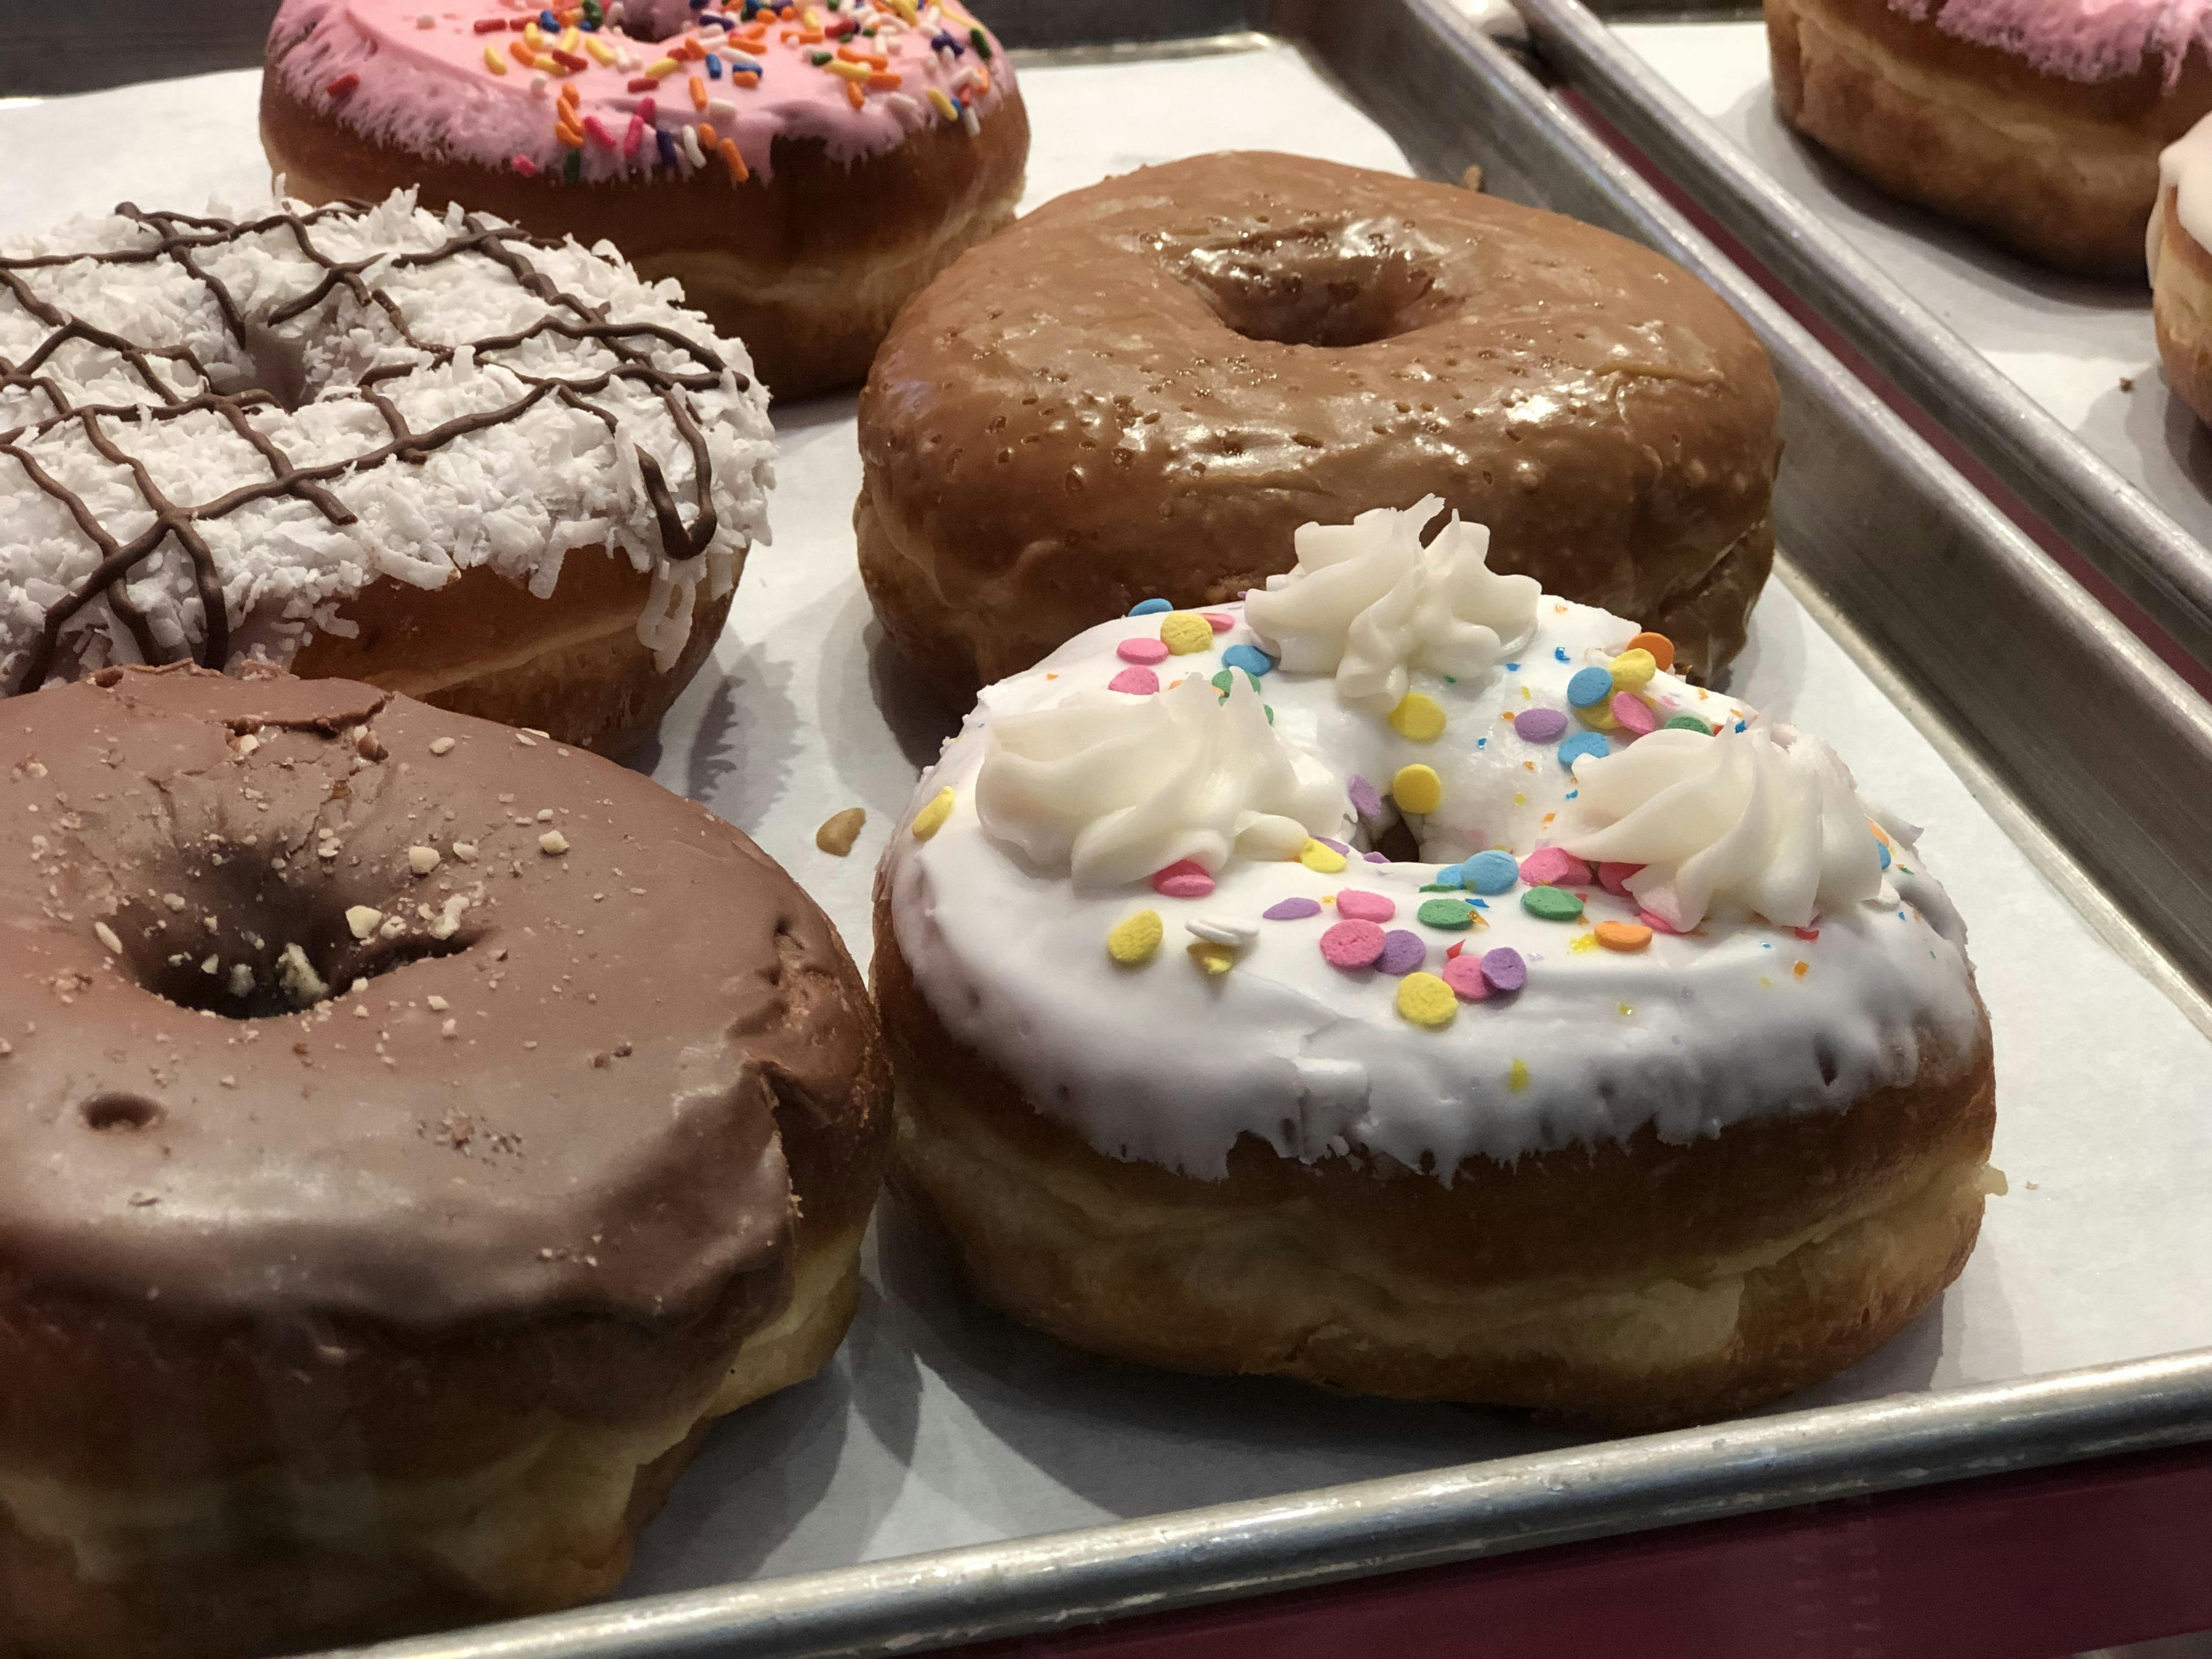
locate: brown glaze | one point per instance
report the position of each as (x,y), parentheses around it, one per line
(1142,388)
(635,1019)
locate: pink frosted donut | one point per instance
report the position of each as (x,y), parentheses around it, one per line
(799,167)
(2039,122)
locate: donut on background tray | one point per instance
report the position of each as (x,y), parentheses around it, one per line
(1642,1078)
(801,169)
(1143,387)
(417,1133)
(2178,251)
(420,450)
(2037,122)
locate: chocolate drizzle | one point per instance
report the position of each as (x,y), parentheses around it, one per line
(181,238)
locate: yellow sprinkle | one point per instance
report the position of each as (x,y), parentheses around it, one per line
(1582,944)
(931,819)
(1417,789)
(1325,860)
(944,105)
(1598,715)
(1520,800)
(1625,1010)
(849,70)
(494,62)
(1181,631)
(1633,668)
(1417,718)
(1517,1079)
(660,67)
(598,49)
(571,38)
(1213,958)
(534,35)
(1135,938)
(1424,1000)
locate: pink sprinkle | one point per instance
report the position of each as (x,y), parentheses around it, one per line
(1657,923)
(1216,622)
(1354,905)
(1142,682)
(525,165)
(1552,866)
(1452,950)
(1464,975)
(1143,651)
(630,139)
(1184,878)
(596,130)
(640,83)
(1634,714)
(343,85)
(1291,909)
(647,109)
(1352,944)
(1613,878)
(1806,933)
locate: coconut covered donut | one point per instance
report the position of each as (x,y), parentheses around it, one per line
(1403,981)
(1145,387)
(420,450)
(415,1134)
(2037,122)
(801,169)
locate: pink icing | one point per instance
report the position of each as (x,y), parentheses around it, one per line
(418,78)
(2085,40)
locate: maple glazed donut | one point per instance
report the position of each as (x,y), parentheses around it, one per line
(419,449)
(1143,387)
(2037,122)
(416,1132)
(1403,982)
(800,168)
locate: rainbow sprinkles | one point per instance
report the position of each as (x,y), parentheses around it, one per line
(639,87)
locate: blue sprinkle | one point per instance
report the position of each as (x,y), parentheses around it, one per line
(1766,945)
(1482,743)
(1149,607)
(1451,876)
(1590,687)
(1512,667)
(943,40)
(1250,657)
(1492,872)
(667,146)
(549,22)
(746,66)
(1558,654)
(1884,851)
(1584,743)
(1741,725)
(1572,793)
(1479,904)
(714,67)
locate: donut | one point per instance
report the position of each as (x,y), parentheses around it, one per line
(418,1131)
(1403,982)
(799,169)
(1145,387)
(2181,268)
(418,450)
(2038,123)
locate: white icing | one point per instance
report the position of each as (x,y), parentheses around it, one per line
(1760,822)
(1367,602)
(2184,168)
(1164,1063)
(1108,787)
(516,497)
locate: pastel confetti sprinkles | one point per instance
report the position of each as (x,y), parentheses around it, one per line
(1320,858)
(1402,952)
(1186,632)
(1554,867)
(1351,944)
(1418,788)
(1623,936)
(931,819)
(1136,939)
(1456,913)
(1633,668)
(1216,622)
(1584,743)
(1634,714)
(1505,968)
(1590,687)
(1418,719)
(1232,930)
(1250,657)
(1613,878)
(1142,652)
(1150,608)
(1552,904)
(1366,799)
(1540,725)
(1210,957)
(1492,872)
(1464,974)
(1138,682)
(1291,909)
(1426,1000)
(1687,723)
(1657,647)
(1184,878)
(1356,905)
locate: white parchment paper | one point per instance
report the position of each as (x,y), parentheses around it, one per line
(940,1424)
(2069,341)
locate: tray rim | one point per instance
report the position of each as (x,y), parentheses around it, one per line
(1494,1507)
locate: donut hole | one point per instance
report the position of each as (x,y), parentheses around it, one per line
(110,1114)
(268,363)
(1327,287)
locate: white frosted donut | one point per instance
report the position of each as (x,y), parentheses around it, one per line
(1698,1111)
(416,449)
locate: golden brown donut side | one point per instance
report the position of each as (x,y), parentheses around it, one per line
(2064,172)
(1068,419)
(2181,310)
(807,267)
(465,1306)
(1517,1285)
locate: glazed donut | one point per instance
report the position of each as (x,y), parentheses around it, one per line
(2037,122)
(1143,387)
(502,476)
(1340,986)
(801,171)
(418,1132)
(2181,267)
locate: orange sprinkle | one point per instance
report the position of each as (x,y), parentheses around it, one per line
(983,86)
(1626,935)
(885,81)
(698,93)
(709,138)
(744,78)
(1801,969)
(854,96)
(1661,648)
(852,54)
(731,159)
(522,54)
(571,136)
(569,96)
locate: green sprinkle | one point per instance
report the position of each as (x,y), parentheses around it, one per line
(818,58)
(1552,903)
(573,168)
(1226,678)
(1446,912)
(1687,723)
(983,43)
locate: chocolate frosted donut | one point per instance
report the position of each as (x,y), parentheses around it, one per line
(1142,388)
(411,1134)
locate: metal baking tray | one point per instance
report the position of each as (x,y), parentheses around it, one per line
(2092,756)
(2131,540)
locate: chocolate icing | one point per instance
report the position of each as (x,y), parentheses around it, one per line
(1143,387)
(180,237)
(632,1016)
